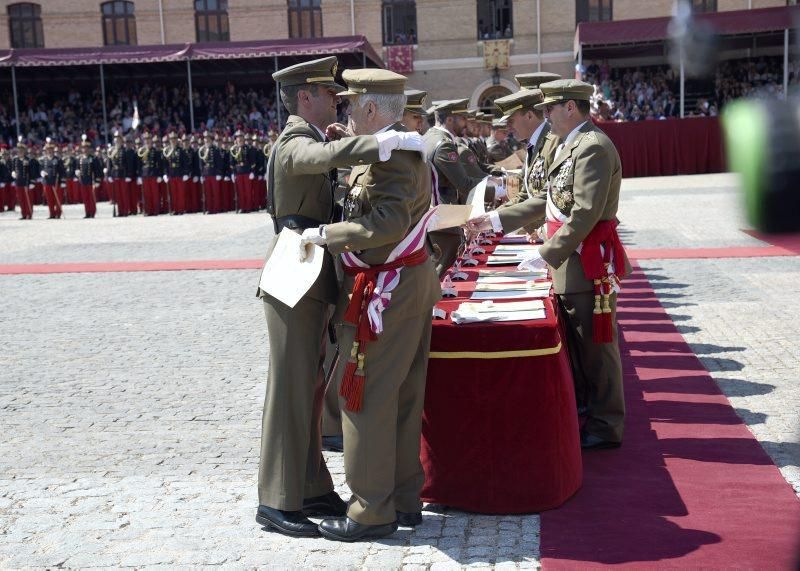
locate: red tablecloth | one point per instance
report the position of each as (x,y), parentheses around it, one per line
(499,429)
(673,146)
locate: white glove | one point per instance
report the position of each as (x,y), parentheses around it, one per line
(166,178)
(63,185)
(128,179)
(388,141)
(158,179)
(77,172)
(13,174)
(105,170)
(260,177)
(31,186)
(110,179)
(252,176)
(311,236)
(43,173)
(532,262)
(185,178)
(138,180)
(195,179)
(219,177)
(479,224)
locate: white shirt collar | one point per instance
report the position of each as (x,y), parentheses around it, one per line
(536,134)
(389,126)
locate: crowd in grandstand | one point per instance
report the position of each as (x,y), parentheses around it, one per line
(161,109)
(622,94)
(648,93)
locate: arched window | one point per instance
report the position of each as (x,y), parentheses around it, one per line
(211,20)
(305,19)
(494,20)
(593,11)
(25,25)
(119,23)
(399,22)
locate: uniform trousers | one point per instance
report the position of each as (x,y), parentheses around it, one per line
(121,197)
(89,199)
(152,200)
(292,467)
(596,367)
(382,440)
(53,201)
(177,194)
(242,187)
(8,196)
(135,197)
(24,199)
(213,194)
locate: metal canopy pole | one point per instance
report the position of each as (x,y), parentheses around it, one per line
(191,102)
(786,63)
(103,95)
(16,105)
(683,81)
(278,103)
(538,36)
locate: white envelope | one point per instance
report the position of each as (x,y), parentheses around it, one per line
(285,277)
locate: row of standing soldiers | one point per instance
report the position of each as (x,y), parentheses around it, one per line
(155,176)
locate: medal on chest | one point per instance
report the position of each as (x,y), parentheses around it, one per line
(352,202)
(561,188)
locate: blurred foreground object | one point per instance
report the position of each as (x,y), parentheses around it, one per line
(763,145)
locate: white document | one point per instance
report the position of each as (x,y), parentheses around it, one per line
(536,293)
(521,248)
(513,286)
(507,280)
(479,198)
(514,239)
(515,274)
(489,311)
(503,260)
(285,277)
(450,216)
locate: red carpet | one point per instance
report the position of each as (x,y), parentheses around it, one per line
(690,487)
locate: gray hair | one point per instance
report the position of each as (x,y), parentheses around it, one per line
(390,105)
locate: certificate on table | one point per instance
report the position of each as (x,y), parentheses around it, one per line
(285,277)
(450,216)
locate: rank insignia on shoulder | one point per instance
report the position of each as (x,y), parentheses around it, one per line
(452,156)
(472,160)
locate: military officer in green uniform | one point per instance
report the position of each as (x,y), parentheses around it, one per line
(293,478)
(382,244)
(583,252)
(414,113)
(453,182)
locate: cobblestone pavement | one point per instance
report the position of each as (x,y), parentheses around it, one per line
(131,402)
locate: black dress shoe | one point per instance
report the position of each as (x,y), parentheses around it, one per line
(409,519)
(330,505)
(285,522)
(333,443)
(592,442)
(345,529)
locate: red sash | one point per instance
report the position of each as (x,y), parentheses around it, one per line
(352,387)
(596,257)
